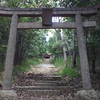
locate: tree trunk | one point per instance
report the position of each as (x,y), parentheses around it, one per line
(18,50)
(58,54)
(64,49)
(67,45)
(56,37)
(74,50)
(69,51)
(93,60)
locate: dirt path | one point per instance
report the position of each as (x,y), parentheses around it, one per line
(45,68)
(42,81)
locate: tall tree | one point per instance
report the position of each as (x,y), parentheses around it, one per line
(64,48)
(74,49)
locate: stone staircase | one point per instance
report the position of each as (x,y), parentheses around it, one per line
(49,85)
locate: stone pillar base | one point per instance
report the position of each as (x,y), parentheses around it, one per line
(8,93)
(87,95)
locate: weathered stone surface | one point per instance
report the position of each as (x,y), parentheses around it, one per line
(7,93)
(43,92)
(88,24)
(87,95)
(25,88)
(30,12)
(44,84)
(83,53)
(10,54)
(47,16)
(60,25)
(52,77)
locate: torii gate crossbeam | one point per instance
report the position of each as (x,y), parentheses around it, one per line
(59,25)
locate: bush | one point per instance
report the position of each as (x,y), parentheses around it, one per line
(25,66)
(58,62)
(65,70)
(96,75)
(1,67)
(72,73)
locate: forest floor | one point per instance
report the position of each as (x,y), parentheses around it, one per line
(37,73)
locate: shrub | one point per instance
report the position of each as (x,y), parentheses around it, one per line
(72,73)
(96,75)
(25,66)
(58,62)
(1,67)
(65,70)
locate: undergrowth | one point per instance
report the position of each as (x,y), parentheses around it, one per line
(1,66)
(70,72)
(25,66)
(95,75)
(65,70)
(57,62)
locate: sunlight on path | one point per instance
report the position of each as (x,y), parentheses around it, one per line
(45,68)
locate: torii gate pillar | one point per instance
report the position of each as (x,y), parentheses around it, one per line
(83,53)
(7,83)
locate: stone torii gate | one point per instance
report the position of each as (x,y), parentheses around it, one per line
(47,15)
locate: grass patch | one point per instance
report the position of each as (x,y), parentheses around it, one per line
(96,75)
(72,73)
(25,66)
(1,66)
(65,70)
(58,62)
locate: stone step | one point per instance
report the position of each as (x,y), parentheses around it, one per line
(44,84)
(43,92)
(61,88)
(52,78)
(48,78)
(56,82)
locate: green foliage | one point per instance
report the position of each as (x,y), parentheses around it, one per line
(58,62)
(57,47)
(34,61)
(1,66)
(25,66)
(28,3)
(4,25)
(96,76)
(70,72)
(65,70)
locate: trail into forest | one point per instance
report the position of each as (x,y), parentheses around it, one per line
(42,82)
(45,68)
